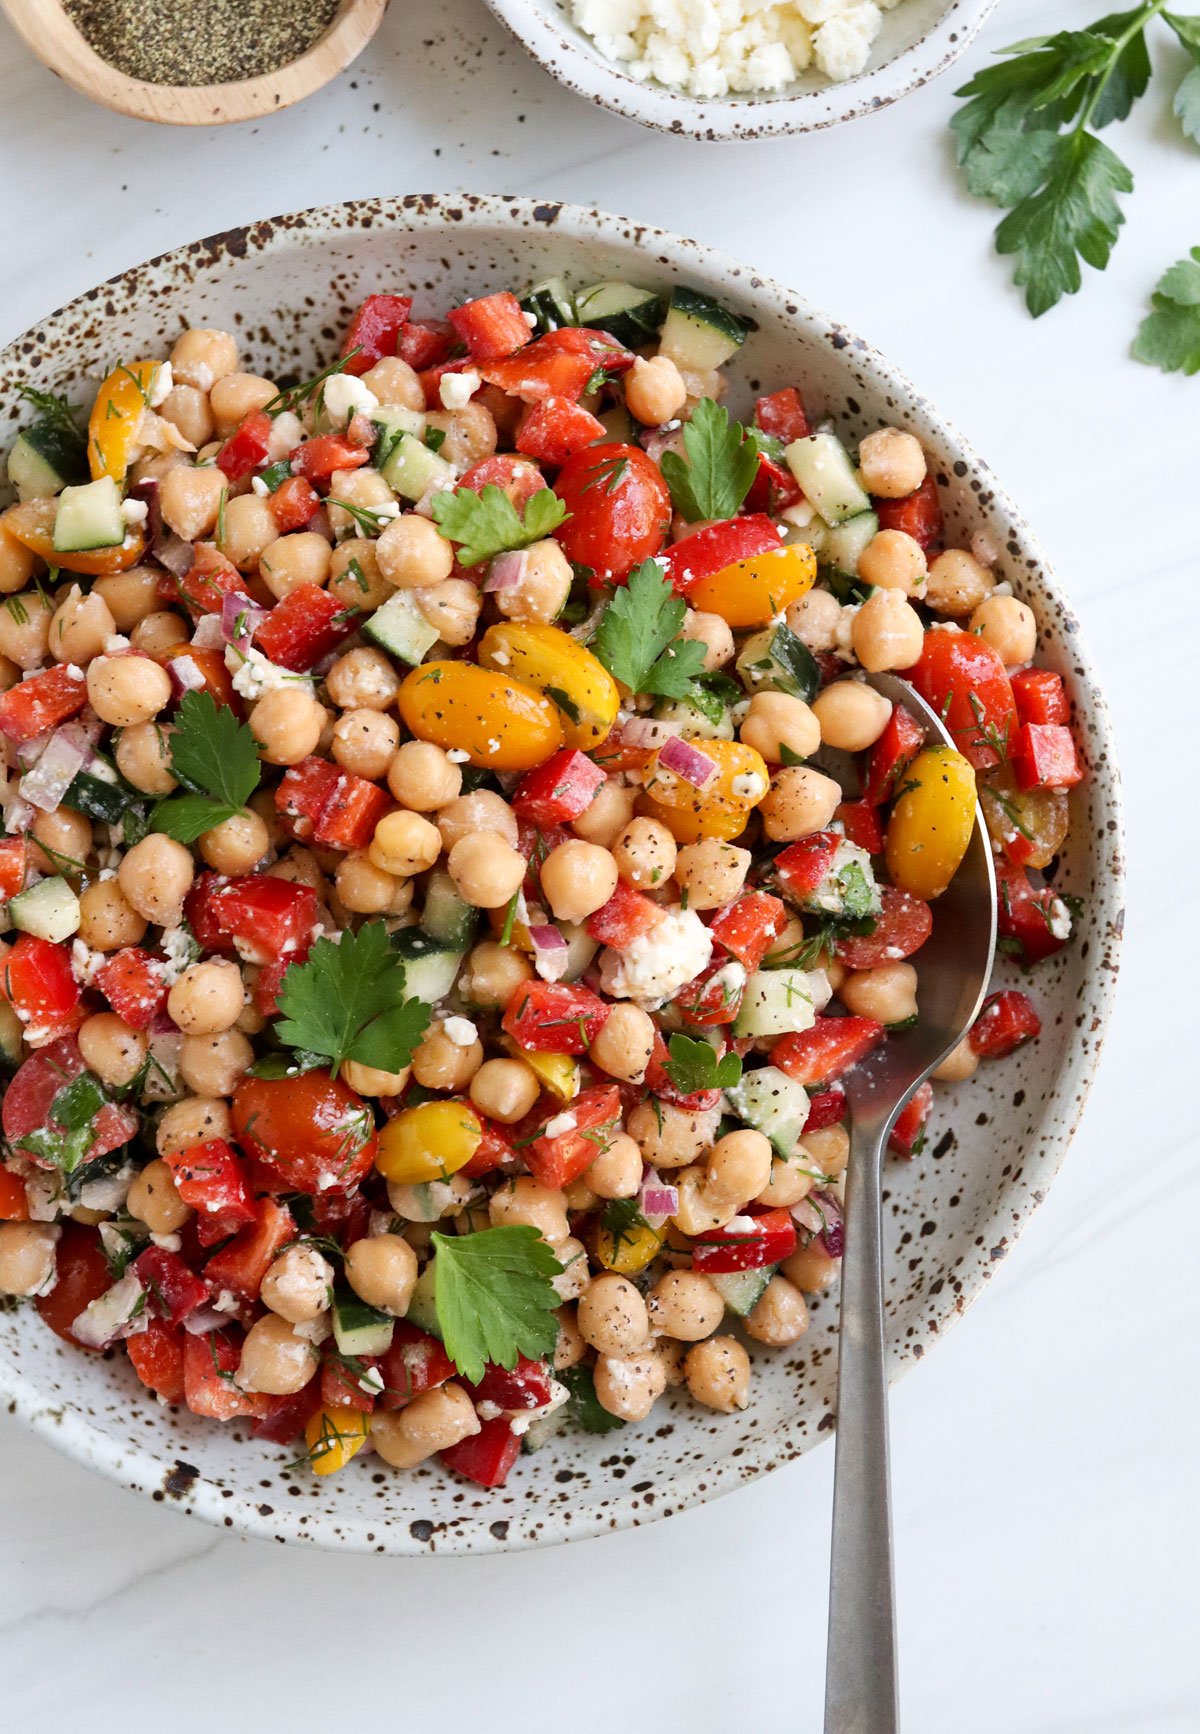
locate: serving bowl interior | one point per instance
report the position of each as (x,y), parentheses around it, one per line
(287,286)
(917,40)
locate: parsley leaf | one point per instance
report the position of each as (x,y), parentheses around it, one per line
(488,523)
(1169,337)
(637,638)
(694,1066)
(721,467)
(1075,215)
(1187,97)
(495,1296)
(215,757)
(346,1002)
(583,1405)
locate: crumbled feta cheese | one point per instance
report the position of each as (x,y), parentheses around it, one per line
(560,1124)
(164,385)
(842,45)
(345,395)
(113,644)
(655,965)
(488,1411)
(458,756)
(457,389)
(226,1302)
(86,963)
(287,431)
(750,786)
(259,487)
(493,745)
(253,673)
(181,950)
(461,1031)
(1059,919)
(134,511)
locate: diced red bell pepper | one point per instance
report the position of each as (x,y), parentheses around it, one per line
(1043,757)
(42,702)
(423,343)
(38,983)
(782,414)
(749,927)
(374,331)
(918,514)
(14,858)
(515,476)
(735,1247)
(82,1277)
(552,1017)
(246,448)
(1040,696)
(910,1122)
(303,792)
(825,1108)
(131,980)
(285,1418)
(714,997)
(210,665)
(200,913)
(492,326)
(494,1151)
(902,927)
(658,1083)
(416,1362)
(242,1264)
(559,364)
(718,545)
(273,917)
(1007,1020)
(209,1364)
(208,581)
(175,1291)
(1027,914)
(560,790)
(557,1158)
(270,980)
(318,458)
(802,866)
(625,917)
(821,1054)
(14,1205)
(862,824)
(293,504)
(212,1178)
(156,1355)
(308,624)
(524,1386)
(897,747)
(965,682)
(352,809)
(555,428)
(773,489)
(487,1456)
(341,1386)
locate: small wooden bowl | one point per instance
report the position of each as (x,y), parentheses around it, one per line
(46,29)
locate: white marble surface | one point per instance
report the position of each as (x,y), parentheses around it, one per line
(1045,1456)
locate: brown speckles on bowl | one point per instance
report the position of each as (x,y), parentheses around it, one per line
(996,1142)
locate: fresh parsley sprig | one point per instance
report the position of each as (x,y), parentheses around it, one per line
(295,395)
(694,1066)
(637,638)
(495,1296)
(1169,337)
(488,523)
(55,412)
(722,462)
(347,1002)
(215,757)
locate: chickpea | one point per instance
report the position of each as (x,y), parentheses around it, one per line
(629,1385)
(617,1170)
(383,1272)
(1009,626)
(158,631)
(738,1167)
(787,1186)
(275,1359)
(712,873)
(287,722)
(482,810)
(607,815)
(287,563)
(236,845)
(654,390)
(486,871)
(717,1372)
(570,1348)
(297,1284)
(127,689)
(432,1422)
(354,575)
(612,1316)
(957,583)
(799,802)
(201,356)
(10,674)
(893,560)
(27,1257)
(187,409)
(494,973)
(442,1062)
(365,889)
(107,921)
(233,396)
(207,997)
(195,1120)
(114,1051)
(153,1198)
(395,384)
(300,866)
(826,1151)
(670,1137)
(25,629)
(80,627)
(543,587)
(470,434)
(18,564)
(371,1081)
(961,1063)
(888,993)
(815,619)
(779,1317)
(713,633)
(453,608)
(886,632)
(143,755)
(623,1044)
(852,715)
(683,1304)
(128,596)
(422,778)
(365,742)
(250,529)
(413,554)
(811,1269)
(645,853)
(698,1212)
(526,1201)
(363,679)
(189,499)
(892,463)
(776,720)
(214,1065)
(506,1090)
(577,879)
(155,876)
(61,841)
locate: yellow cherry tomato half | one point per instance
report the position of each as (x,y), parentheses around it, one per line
(429,1142)
(557,1073)
(718,810)
(116,416)
(629,1251)
(931,823)
(333,1437)
(33,525)
(552,661)
(501,724)
(751,592)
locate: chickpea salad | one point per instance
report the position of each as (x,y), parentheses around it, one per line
(431,956)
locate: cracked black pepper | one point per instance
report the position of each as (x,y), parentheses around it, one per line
(204,42)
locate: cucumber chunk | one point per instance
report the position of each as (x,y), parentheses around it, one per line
(741,1290)
(401,628)
(446,918)
(776,1002)
(100,793)
(422,1308)
(844,543)
(47,456)
(430,968)
(821,464)
(393,422)
(412,470)
(776,660)
(698,333)
(633,316)
(774,1104)
(89,517)
(359,1329)
(48,910)
(550,304)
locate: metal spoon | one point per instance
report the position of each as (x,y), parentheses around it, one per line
(954,965)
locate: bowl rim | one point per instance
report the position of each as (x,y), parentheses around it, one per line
(141,1469)
(583,69)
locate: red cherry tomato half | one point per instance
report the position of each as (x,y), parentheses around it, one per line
(313,1132)
(83,1276)
(620,508)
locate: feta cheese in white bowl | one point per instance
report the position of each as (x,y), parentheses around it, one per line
(726,69)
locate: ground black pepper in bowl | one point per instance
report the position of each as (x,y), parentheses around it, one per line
(200,41)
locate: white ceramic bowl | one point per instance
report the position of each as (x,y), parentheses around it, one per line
(917,41)
(286,286)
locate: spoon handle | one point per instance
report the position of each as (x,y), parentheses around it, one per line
(860,1680)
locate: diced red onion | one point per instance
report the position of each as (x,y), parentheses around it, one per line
(27,753)
(203,1320)
(111,1315)
(648,732)
(185,675)
(550,952)
(507,570)
(175,554)
(687,762)
(657,1201)
(18,814)
(208,633)
(66,753)
(163,1024)
(240,618)
(655,442)
(820,1215)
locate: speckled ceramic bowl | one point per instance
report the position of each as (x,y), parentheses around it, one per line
(918,40)
(286,287)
